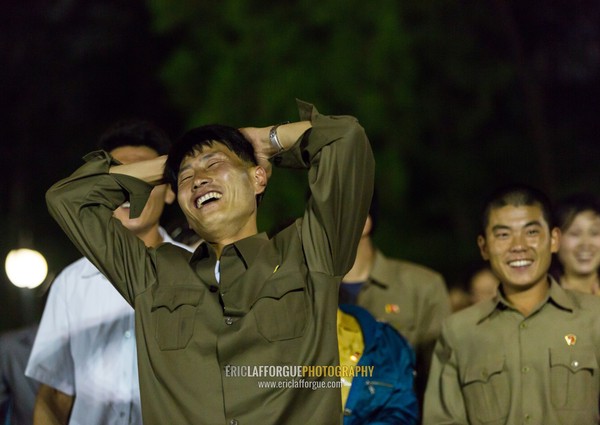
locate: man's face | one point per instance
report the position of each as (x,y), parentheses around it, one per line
(519,245)
(579,251)
(160,194)
(217,193)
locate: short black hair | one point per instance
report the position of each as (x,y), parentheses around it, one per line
(198,138)
(569,207)
(516,195)
(134,132)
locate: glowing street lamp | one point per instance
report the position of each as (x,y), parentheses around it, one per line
(26,268)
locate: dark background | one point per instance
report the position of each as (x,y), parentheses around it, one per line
(458,97)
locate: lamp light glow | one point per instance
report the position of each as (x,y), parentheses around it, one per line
(26,268)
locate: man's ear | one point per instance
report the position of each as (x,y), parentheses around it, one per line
(483,248)
(260,179)
(554,239)
(169,195)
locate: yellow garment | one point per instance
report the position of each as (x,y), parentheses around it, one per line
(350,347)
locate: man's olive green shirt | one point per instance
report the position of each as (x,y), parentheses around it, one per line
(494,366)
(275,304)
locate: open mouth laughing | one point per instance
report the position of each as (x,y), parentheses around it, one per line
(207,198)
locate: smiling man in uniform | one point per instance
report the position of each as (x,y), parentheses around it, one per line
(530,355)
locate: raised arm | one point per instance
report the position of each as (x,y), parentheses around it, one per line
(150,171)
(337,153)
(270,141)
(83,205)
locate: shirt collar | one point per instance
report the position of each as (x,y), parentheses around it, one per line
(556,295)
(380,272)
(247,249)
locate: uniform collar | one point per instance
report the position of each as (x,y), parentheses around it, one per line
(238,289)
(382,270)
(556,295)
(246,249)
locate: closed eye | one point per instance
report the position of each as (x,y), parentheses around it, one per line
(213,163)
(182,179)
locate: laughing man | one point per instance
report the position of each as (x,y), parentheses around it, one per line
(240,299)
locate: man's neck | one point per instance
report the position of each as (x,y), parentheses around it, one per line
(526,300)
(363,264)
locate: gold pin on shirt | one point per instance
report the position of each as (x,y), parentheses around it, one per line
(571,339)
(392,308)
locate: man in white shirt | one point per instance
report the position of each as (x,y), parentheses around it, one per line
(84,354)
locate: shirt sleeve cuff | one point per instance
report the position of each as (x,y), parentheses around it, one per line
(99,162)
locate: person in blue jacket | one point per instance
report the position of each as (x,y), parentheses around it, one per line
(386,394)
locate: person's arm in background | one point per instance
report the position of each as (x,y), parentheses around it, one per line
(50,362)
(52,407)
(436,309)
(444,402)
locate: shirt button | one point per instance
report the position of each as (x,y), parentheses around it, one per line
(525,369)
(233,422)
(229,321)
(213,288)
(127,334)
(575,363)
(523,325)
(527,418)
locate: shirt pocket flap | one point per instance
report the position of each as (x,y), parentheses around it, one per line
(173,297)
(482,371)
(574,359)
(283,284)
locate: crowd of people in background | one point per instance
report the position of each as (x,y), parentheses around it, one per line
(521,344)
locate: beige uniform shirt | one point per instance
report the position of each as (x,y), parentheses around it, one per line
(274,307)
(414,300)
(493,366)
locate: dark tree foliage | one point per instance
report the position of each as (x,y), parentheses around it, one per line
(457,97)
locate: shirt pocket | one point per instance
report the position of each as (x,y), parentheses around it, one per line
(486,389)
(174,312)
(281,309)
(573,377)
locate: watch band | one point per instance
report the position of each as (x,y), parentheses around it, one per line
(274,139)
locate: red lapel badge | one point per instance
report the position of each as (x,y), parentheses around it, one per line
(392,308)
(571,339)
